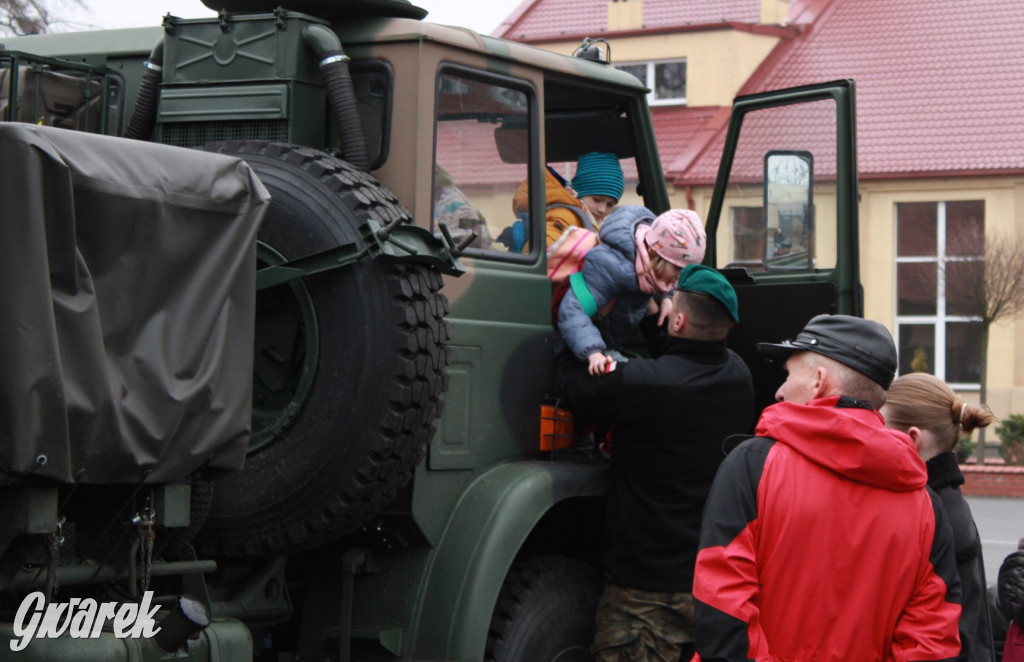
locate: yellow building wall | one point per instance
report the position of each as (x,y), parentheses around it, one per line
(718,62)
(1004,216)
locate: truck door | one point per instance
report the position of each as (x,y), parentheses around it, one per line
(487,151)
(782,224)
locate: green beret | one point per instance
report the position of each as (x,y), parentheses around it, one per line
(706,280)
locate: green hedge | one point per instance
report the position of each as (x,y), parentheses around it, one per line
(965,448)
(1011,435)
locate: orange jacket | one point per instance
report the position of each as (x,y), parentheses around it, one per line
(558,218)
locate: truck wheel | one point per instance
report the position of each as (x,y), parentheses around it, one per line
(349,365)
(545,612)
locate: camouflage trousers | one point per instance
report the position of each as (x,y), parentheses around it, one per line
(643,626)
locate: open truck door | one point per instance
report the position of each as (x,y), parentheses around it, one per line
(782,226)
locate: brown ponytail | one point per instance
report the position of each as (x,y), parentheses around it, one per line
(925,401)
(969,417)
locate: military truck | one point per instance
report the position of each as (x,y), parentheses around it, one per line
(278,347)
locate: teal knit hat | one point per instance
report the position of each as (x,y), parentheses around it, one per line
(598,173)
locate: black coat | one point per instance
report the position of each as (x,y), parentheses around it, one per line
(945,477)
(671,415)
(1011,586)
(1000,620)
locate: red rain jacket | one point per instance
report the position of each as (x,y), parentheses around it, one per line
(821,542)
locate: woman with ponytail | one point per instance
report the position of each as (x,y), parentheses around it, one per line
(924,407)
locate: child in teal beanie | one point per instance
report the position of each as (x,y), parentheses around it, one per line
(598,183)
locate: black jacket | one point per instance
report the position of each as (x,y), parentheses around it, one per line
(945,478)
(671,415)
(1011,586)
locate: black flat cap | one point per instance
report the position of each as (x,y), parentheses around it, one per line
(864,345)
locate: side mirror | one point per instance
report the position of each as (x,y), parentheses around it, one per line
(788,210)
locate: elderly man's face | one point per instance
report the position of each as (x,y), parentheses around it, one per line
(802,380)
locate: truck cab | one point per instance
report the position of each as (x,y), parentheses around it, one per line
(389,498)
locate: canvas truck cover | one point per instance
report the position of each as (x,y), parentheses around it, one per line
(127,291)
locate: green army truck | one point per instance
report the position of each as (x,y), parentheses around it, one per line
(275,341)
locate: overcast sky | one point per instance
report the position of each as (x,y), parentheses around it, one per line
(480,15)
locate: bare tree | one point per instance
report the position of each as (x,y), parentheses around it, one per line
(990,289)
(23,17)
(20,17)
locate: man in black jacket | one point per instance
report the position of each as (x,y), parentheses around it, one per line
(671,414)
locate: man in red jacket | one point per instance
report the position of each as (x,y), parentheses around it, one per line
(820,540)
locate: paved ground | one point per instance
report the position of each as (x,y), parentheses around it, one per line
(1001,524)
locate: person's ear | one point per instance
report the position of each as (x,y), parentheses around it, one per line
(916,436)
(821,381)
(678,321)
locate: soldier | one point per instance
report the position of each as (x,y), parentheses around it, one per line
(671,415)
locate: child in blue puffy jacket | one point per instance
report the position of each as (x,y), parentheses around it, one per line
(639,258)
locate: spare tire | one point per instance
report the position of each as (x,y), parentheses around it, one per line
(350,365)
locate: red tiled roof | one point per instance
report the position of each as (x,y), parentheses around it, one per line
(538,20)
(940,89)
(475,161)
(804,127)
(683,131)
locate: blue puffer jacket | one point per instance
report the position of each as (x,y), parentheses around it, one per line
(609,271)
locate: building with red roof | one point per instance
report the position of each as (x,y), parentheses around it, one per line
(940,121)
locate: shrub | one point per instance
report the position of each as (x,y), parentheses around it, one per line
(965,449)
(1011,435)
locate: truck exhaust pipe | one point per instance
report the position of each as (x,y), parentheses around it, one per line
(341,96)
(143,118)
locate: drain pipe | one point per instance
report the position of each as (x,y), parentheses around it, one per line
(341,96)
(143,119)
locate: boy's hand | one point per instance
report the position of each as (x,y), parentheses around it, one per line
(598,364)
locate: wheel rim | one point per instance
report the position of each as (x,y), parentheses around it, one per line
(286,349)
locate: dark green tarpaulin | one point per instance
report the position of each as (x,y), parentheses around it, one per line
(127,274)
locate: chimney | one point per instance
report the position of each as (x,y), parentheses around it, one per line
(626,14)
(774,12)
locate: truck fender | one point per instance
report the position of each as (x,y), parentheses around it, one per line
(489,525)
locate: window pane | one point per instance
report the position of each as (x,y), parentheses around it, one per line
(916,348)
(916,224)
(965,227)
(965,288)
(475,181)
(963,352)
(916,292)
(638,70)
(670,80)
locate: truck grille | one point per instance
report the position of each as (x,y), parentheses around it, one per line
(196,134)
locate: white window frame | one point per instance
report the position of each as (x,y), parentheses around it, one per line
(652,100)
(939,320)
